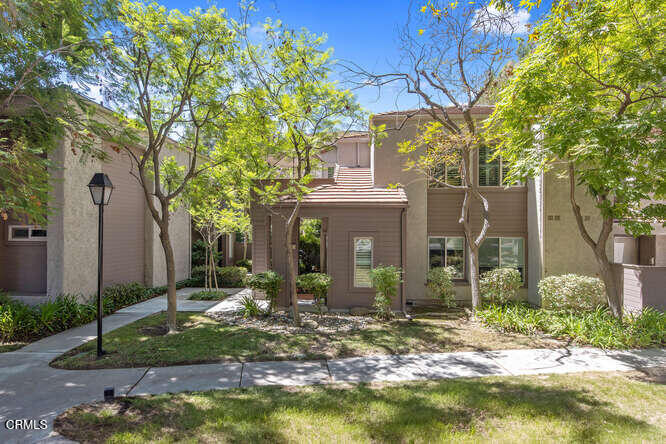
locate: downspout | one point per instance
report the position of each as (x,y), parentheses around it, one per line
(403,252)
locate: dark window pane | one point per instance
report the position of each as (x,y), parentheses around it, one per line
(20,233)
(512,252)
(436,252)
(455,255)
(38,232)
(489,254)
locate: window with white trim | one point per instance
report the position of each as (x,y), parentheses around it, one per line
(493,172)
(505,252)
(445,173)
(362,261)
(447,251)
(26,233)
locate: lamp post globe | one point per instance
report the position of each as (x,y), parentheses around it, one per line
(100,187)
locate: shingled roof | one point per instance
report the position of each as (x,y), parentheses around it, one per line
(353,186)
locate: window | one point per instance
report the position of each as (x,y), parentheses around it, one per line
(330,172)
(498,252)
(362,261)
(26,233)
(447,251)
(448,173)
(493,173)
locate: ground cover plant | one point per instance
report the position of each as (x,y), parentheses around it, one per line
(21,323)
(586,407)
(208,295)
(202,339)
(597,327)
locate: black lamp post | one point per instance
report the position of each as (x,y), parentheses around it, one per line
(100,189)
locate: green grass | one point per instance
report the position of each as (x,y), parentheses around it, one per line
(203,340)
(208,295)
(11,346)
(588,407)
(598,328)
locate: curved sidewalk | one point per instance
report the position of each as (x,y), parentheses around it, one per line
(30,389)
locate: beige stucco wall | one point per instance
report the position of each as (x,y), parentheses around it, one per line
(565,251)
(72,229)
(389,169)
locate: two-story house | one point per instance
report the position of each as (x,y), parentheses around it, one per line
(375,212)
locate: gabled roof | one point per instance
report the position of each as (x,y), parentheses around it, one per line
(353,186)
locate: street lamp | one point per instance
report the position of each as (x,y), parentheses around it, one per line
(100,189)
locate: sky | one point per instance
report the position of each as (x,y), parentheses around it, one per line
(360,31)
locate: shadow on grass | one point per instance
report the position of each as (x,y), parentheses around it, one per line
(497,408)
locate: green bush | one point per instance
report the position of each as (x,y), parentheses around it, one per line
(208,296)
(227,277)
(500,285)
(316,283)
(199,253)
(22,322)
(250,307)
(440,285)
(270,283)
(571,292)
(245,263)
(122,295)
(385,280)
(597,327)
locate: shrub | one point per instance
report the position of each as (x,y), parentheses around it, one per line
(208,296)
(245,263)
(500,285)
(227,277)
(122,295)
(270,283)
(250,307)
(316,283)
(571,292)
(597,327)
(440,285)
(385,280)
(199,253)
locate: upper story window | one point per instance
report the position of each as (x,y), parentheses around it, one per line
(449,174)
(505,252)
(492,173)
(447,251)
(26,233)
(362,261)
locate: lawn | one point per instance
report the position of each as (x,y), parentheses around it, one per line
(587,407)
(204,340)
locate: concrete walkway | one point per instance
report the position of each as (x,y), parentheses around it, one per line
(30,389)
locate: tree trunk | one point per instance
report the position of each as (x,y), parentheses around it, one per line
(291,264)
(206,267)
(172,301)
(213,268)
(474,275)
(608,276)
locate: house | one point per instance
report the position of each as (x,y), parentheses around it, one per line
(375,212)
(62,256)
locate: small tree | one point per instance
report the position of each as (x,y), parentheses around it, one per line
(45,47)
(385,279)
(294,88)
(590,98)
(270,283)
(451,56)
(173,74)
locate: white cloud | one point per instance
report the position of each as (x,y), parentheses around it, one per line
(508,21)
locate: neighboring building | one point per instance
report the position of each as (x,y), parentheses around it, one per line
(62,257)
(415,226)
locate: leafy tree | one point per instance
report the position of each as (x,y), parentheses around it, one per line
(173,74)
(310,113)
(451,57)
(46,45)
(590,98)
